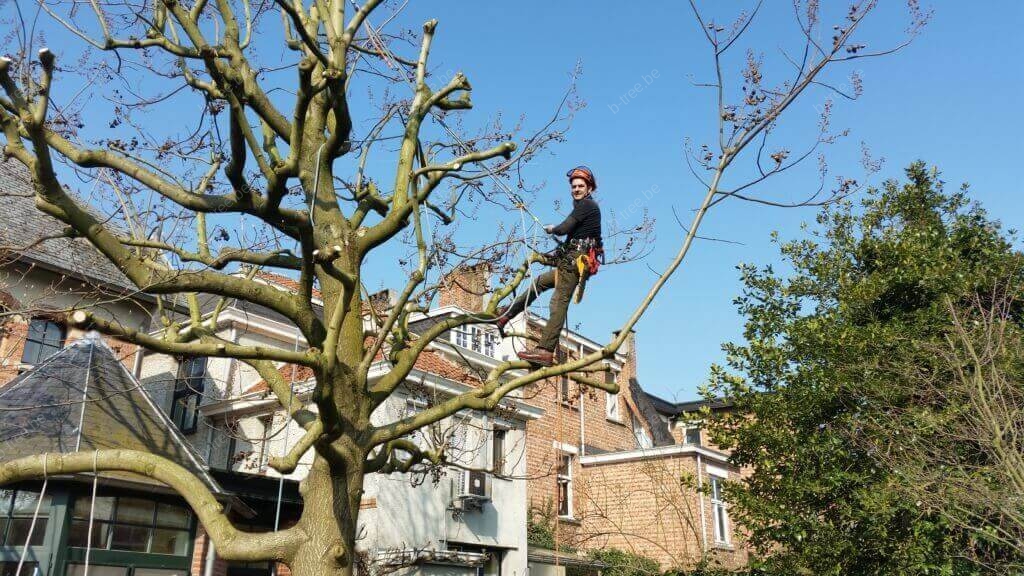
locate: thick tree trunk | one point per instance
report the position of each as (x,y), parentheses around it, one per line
(331,495)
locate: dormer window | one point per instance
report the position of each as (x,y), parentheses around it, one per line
(476,338)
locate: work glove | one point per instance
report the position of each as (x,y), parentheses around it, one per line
(549,228)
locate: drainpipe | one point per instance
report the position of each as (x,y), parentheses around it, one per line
(211,554)
(703,520)
(137,363)
(583,428)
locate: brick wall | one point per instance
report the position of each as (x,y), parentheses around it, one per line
(465,287)
(12,347)
(652,507)
(561,426)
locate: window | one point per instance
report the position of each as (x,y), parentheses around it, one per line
(611,401)
(254,568)
(94,570)
(489,339)
(45,337)
(565,485)
(131,525)
(643,439)
(461,336)
(475,338)
(498,451)
(9,568)
(188,389)
(691,436)
(719,514)
(564,390)
(16,510)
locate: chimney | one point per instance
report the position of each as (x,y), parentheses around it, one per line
(465,287)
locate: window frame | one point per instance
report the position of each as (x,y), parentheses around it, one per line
(690,427)
(103,541)
(188,388)
(566,480)
(41,343)
(499,451)
(461,336)
(642,436)
(8,517)
(719,511)
(612,410)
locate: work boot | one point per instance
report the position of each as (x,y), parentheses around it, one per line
(538,356)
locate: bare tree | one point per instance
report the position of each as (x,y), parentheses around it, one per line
(179,212)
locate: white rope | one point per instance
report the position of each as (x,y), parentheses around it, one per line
(92,512)
(284,450)
(35,517)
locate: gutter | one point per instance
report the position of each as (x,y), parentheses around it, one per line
(659,452)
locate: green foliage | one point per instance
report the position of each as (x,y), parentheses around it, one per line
(868,285)
(540,528)
(622,563)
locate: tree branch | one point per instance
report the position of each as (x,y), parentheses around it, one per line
(231,543)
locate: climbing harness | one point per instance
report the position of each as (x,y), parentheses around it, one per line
(587,265)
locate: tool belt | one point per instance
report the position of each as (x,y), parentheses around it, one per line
(586,254)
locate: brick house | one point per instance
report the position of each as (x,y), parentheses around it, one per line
(626,470)
(630,470)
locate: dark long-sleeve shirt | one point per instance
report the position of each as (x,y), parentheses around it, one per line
(583,222)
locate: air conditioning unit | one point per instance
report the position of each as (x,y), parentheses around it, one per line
(471,489)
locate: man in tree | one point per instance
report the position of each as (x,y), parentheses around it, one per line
(582,231)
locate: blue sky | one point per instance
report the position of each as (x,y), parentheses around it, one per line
(949,99)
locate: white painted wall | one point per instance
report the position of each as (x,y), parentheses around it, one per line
(408,513)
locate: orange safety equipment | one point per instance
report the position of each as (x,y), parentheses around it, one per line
(584,173)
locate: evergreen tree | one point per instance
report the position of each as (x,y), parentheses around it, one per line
(814,391)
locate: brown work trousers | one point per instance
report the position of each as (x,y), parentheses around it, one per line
(563,278)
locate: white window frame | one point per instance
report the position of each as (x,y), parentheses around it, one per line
(719,511)
(476,339)
(643,438)
(612,411)
(488,338)
(611,406)
(460,336)
(567,480)
(686,430)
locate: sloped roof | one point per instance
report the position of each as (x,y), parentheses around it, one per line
(673,409)
(42,411)
(23,227)
(660,434)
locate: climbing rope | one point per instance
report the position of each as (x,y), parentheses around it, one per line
(287,429)
(92,512)
(35,517)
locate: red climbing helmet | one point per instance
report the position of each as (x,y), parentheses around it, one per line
(584,173)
